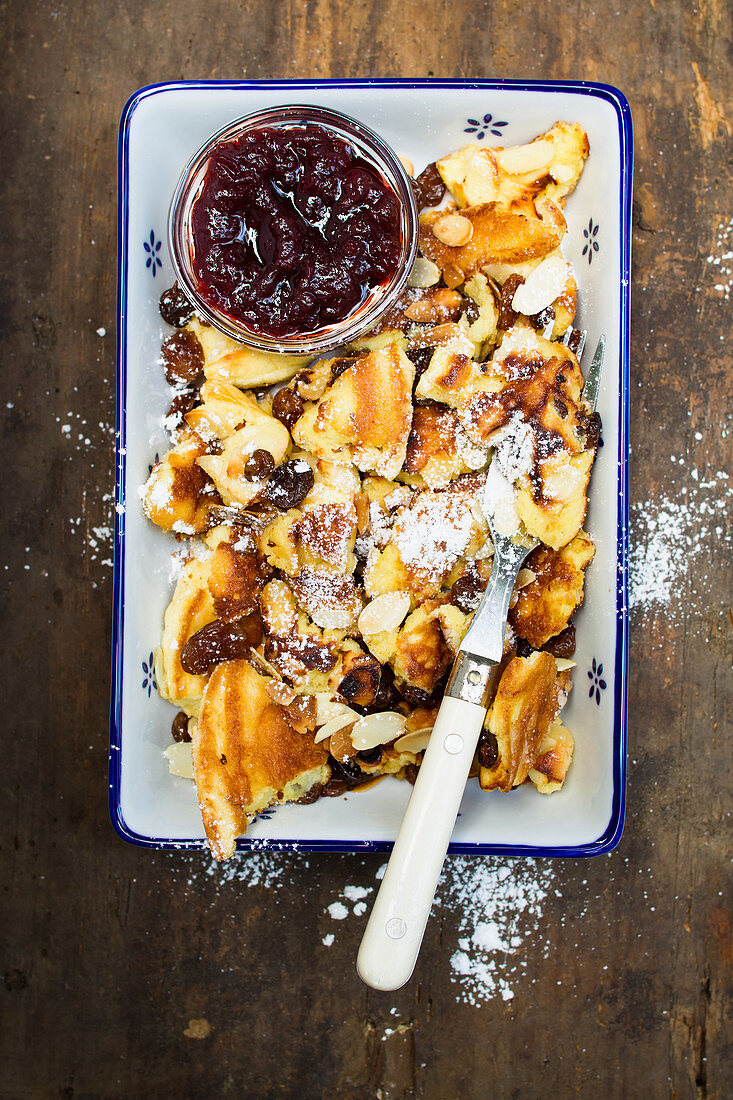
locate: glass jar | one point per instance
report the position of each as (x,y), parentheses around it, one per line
(370,148)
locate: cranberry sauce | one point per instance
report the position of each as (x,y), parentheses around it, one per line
(292,230)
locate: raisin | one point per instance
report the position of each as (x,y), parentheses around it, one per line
(541,320)
(413,695)
(386,696)
(287,407)
(428,187)
(361,684)
(221,641)
(593,431)
(488,749)
(179,727)
(563,644)
(182,403)
(421,358)
(371,756)
(175,308)
(573,340)
(470,311)
(345,775)
(289,484)
(410,773)
(259,465)
(183,358)
(507,315)
(466,593)
(339,366)
(310,796)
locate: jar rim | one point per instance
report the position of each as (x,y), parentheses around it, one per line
(293,116)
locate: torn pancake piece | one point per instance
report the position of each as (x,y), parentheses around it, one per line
(365,416)
(248,755)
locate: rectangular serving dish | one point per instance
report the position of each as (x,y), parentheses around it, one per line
(161,127)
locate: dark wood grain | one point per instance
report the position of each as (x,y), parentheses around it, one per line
(108,952)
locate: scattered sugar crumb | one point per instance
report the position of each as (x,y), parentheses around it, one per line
(721,260)
(328,940)
(101,332)
(337,910)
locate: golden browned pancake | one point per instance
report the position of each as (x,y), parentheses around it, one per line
(365,416)
(544,606)
(432,448)
(550,165)
(226,360)
(552,506)
(421,653)
(500,233)
(178,493)
(524,708)
(190,609)
(247,754)
(429,536)
(555,757)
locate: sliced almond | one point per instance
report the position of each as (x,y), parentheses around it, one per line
(180,759)
(453,276)
(423,273)
(542,286)
(327,708)
(416,741)
(377,729)
(259,663)
(335,724)
(386,612)
(525,577)
(453,230)
(563,664)
(280,692)
(441,305)
(534,157)
(342,747)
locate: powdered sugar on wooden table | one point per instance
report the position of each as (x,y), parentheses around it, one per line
(498,903)
(671,535)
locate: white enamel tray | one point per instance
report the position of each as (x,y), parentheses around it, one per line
(161,127)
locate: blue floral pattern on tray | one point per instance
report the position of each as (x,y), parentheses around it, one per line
(486,125)
(152,248)
(591,243)
(597,683)
(149,682)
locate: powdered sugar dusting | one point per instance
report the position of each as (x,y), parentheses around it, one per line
(433,532)
(499,903)
(271,870)
(499,906)
(721,261)
(671,534)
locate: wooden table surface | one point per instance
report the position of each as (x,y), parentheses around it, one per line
(133,973)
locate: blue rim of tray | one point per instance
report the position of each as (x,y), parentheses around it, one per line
(612,833)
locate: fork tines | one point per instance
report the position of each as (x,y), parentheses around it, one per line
(581,342)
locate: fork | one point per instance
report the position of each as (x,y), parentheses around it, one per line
(394,932)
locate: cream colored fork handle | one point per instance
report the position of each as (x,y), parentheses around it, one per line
(395,930)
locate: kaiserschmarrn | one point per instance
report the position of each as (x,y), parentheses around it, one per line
(333,542)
